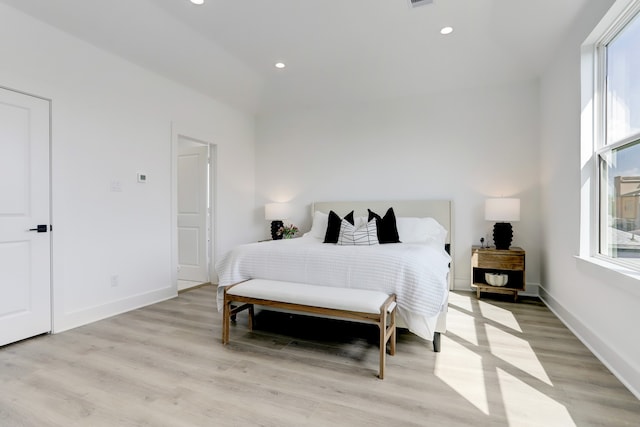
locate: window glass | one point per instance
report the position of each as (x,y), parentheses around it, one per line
(623,83)
(620,202)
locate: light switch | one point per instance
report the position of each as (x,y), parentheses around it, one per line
(142,177)
(116,186)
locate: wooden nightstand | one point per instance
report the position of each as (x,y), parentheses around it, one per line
(492,260)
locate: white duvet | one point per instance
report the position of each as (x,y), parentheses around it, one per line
(416,272)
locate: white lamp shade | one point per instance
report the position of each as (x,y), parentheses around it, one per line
(502,210)
(276,211)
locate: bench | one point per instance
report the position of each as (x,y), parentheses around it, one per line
(354,304)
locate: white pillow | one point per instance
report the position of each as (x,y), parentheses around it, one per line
(420,230)
(365,235)
(359,221)
(319,225)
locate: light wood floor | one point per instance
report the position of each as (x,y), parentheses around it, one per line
(502,364)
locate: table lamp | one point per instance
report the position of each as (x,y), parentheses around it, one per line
(503,211)
(276,213)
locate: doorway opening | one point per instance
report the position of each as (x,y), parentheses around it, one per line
(194,207)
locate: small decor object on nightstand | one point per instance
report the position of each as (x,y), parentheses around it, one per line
(287,231)
(276,212)
(503,211)
(496,279)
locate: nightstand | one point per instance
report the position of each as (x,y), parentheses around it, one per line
(492,260)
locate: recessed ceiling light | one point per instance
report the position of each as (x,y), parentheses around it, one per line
(280,65)
(197,1)
(446,30)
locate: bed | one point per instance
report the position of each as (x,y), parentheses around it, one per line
(418,271)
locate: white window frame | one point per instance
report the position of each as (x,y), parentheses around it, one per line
(593,132)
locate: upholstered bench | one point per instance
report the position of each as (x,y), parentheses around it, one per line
(354,304)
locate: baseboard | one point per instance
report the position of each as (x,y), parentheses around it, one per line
(532,290)
(461,284)
(191,288)
(619,366)
(85,316)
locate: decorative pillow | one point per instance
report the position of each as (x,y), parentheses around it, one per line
(333,226)
(319,225)
(420,230)
(366,235)
(387,229)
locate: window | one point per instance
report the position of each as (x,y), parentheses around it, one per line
(619,144)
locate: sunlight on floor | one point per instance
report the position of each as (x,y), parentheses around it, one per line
(463,302)
(516,351)
(462,371)
(463,324)
(523,402)
(465,368)
(499,315)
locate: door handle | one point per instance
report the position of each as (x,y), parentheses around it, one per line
(41,228)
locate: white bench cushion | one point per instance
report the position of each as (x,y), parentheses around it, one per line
(360,300)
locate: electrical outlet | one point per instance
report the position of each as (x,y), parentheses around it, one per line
(114,281)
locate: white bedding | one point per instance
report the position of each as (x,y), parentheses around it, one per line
(416,272)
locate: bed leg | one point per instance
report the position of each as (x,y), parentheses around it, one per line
(436,342)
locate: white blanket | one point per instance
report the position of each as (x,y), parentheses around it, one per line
(416,272)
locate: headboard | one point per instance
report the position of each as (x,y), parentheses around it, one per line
(440,210)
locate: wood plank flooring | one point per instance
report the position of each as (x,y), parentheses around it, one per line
(502,364)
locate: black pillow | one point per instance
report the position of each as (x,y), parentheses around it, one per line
(333,226)
(387,228)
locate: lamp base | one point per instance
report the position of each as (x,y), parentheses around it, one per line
(502,235)
(275,226)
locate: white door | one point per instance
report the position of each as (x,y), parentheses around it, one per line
(25,256)
(193,160)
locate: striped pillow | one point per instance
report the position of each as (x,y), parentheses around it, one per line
(365,234)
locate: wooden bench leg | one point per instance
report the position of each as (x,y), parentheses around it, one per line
(229,312)
(392,344)
(251,317)
(226,320)
(387,334)
(383,342)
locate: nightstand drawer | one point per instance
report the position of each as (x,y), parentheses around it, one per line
(503,262)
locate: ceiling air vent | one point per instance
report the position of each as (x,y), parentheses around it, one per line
(416,3)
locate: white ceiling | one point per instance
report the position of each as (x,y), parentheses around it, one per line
(336,51)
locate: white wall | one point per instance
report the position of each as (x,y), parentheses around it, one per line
(463,146)
(112,119)
(601,306)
